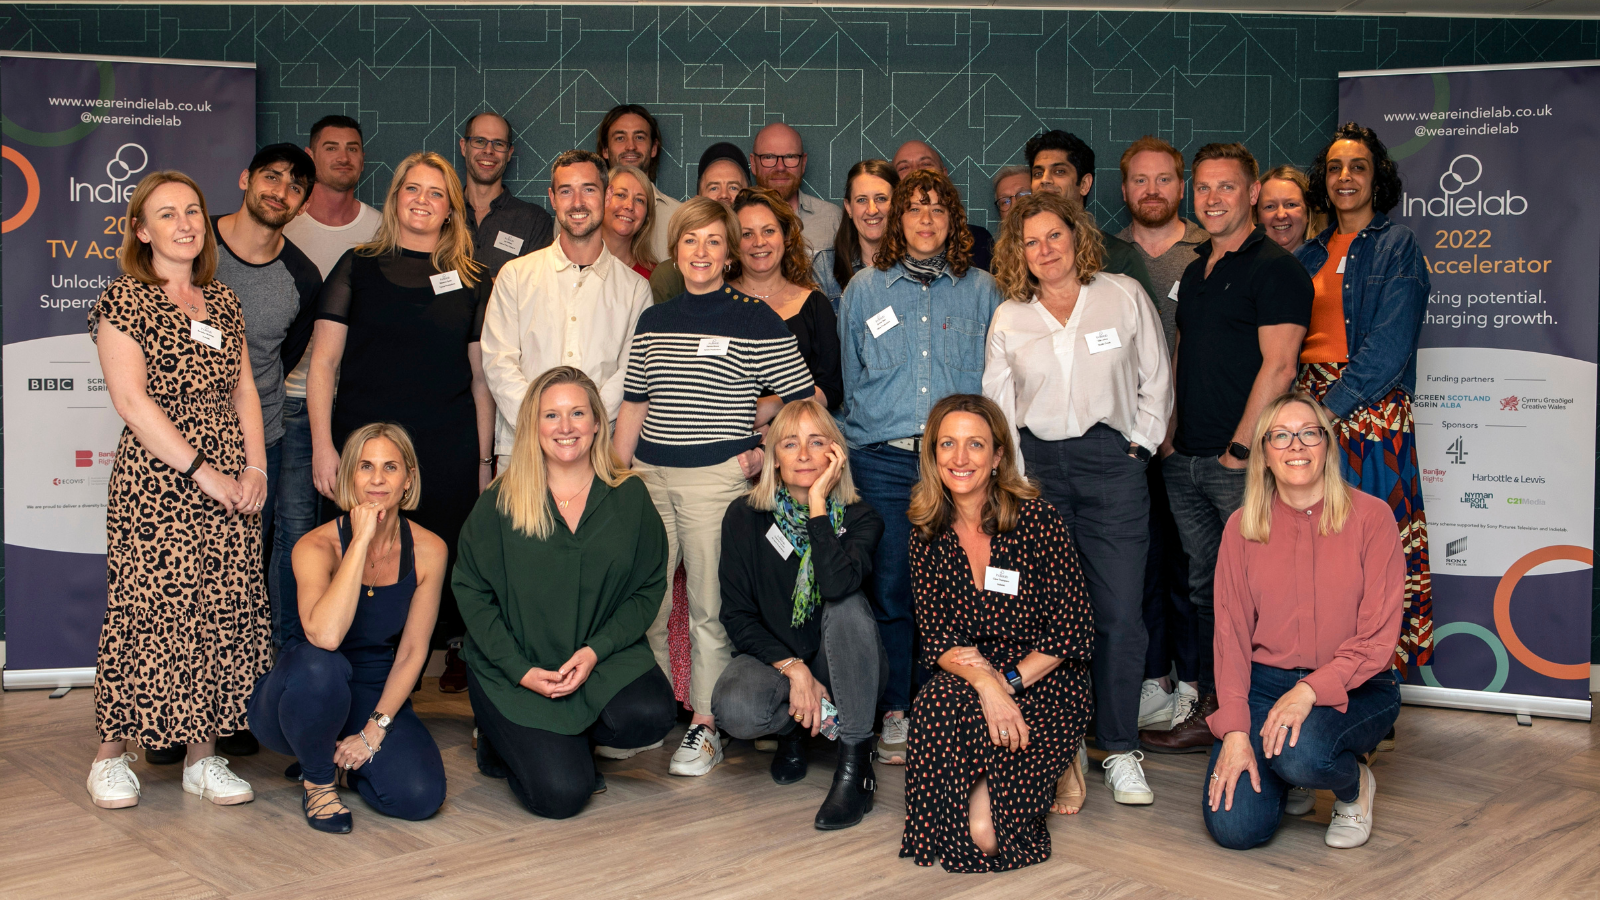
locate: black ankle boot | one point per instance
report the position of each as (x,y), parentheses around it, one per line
(850,798)
(789,762)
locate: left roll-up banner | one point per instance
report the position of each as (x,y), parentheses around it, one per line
(79,132)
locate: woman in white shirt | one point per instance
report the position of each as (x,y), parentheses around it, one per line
(1078,362)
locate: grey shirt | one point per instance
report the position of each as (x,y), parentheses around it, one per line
(513,228)
(1166,271)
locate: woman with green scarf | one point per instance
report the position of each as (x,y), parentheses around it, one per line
(796,552)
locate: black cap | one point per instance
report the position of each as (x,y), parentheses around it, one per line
(725,150)
(301,168)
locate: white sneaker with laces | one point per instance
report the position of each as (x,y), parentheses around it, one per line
(604,752)
(1184,700)
(699,753)
(1155,706)
(1301,801)
(1125,778)
(1352,822)
(212,779)
(112,784)
(894,739)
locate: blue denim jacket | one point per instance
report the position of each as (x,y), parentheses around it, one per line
(822,271)
(1385,299)
(891,381)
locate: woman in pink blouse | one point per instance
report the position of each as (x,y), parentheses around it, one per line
(1310,579)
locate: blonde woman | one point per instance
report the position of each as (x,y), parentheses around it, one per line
(629,212)
(801,627)
(398,333)
(1283,210)
(1310,579)
(563,564)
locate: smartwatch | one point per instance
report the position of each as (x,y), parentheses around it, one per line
(1238,451)
(1014,678)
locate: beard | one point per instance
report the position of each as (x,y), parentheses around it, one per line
(1153,218)
(596,219)
(786,191)
(265,214)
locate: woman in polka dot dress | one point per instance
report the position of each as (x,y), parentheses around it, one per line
(1003,614)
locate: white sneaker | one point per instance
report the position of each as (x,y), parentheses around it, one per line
(1125,777)
(894,739)
(112,784)
(1352,822)
(212,779)
(1155,706)
(1301,801)
(604,752)
(699,753)
(1184,700)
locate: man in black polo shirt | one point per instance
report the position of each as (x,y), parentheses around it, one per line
(503,227)
(1243,308)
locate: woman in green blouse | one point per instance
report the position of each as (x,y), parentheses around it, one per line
(561,568)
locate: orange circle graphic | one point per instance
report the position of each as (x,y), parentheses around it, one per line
(1502,611)
(32,179)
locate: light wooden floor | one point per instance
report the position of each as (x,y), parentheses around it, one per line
(1471,805)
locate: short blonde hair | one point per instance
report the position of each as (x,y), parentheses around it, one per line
(137,259)
(1017,281)
(344,490)
(764,495)
(639,244)
(1260,488)
(696,213)
(1316,219)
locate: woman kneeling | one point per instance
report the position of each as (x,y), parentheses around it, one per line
(795,553)
(369,593)
(1310,579)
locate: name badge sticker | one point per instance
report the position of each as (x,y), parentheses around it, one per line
(445,282)
(510,243)
(205,334)
(712,347)
(779,542)
(1173,294)
(882,322)
(1101,341)
(1340,270)
(1003,581)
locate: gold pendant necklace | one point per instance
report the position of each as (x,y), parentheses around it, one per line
(562,504)
(373,564)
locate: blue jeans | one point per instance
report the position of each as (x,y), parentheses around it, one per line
(294,501)
(1203,494)
(884,476)
(1323,759)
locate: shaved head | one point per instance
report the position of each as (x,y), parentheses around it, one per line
(914,155)
(786,163)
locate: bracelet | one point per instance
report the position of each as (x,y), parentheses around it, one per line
(370,752)
(257,468)
(792,661)
(199,460)
(486,461)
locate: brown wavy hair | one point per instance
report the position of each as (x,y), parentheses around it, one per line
(1010,267)
(796,261)
(847,240)
(957,247)
(932,510)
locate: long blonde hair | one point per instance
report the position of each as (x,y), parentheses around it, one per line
(454,250)
(639,244)
(344,486)
(1260,488)
(787,422)
(932,510)
(525,482)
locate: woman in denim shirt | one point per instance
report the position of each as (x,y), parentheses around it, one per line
(1360,354)
(912,330)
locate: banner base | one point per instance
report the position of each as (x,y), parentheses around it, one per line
(1484,701)
(46,679)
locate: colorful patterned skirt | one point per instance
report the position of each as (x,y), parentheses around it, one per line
(1378,453)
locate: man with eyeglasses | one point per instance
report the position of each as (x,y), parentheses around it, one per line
(1011,184)
(779,163)
(503,227)
(914,155)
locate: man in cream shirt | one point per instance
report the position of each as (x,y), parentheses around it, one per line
(569,304)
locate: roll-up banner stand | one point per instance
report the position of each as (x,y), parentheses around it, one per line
(79,134)
(1494,162)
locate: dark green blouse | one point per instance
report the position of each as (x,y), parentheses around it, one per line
(532,603)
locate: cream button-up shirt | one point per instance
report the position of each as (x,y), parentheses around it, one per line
(545,312)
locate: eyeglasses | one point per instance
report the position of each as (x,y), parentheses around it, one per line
(1005,202)
(480,143)
(1310,436)
(790,160)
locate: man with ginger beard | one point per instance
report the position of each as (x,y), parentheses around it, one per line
(503,227)
(1152,186)
(914,155)
(779,162)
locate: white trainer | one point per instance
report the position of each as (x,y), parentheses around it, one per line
(1125,778)
(1301,801)
(1352,822)
(699,753)
(212,779)
(894,740)
(1184,700)
(604,752)
(1155,706)
(112,784)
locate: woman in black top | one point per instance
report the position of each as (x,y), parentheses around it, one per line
(795,552)
(398,335)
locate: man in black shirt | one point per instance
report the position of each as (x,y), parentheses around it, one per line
(1243,308)
(503,227)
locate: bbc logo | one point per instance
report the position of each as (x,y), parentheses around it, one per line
(49,384)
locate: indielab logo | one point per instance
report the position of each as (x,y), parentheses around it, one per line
(128,161)
(1463,171)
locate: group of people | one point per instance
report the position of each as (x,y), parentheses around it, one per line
(951,500)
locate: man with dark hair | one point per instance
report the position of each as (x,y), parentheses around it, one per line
(630,136)
(503,227)
(1063,163)
(1243,308)
(778,159)
(914,155)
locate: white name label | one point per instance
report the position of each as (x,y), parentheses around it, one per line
(510,243)
(1001,580)
(712,347)
(1340,270)
(779,542)
(205,334)
(1173,294)
(1101,341)
(445,282)
(882,322)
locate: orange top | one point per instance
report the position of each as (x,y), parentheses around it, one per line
(1325,340)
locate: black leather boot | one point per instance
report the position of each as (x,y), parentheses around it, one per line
(850,798)
(789,762)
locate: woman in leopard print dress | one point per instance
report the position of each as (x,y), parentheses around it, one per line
(186,631)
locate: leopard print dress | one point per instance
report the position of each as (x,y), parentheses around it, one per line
(186,633)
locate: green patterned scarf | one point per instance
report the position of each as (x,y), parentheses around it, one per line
(792,518)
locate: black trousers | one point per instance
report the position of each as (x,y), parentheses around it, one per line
(552,774)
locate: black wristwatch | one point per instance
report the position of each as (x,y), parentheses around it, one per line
(1014,678)
(1238,451)
(1139,452)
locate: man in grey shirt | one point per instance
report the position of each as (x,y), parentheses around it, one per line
(1152,186)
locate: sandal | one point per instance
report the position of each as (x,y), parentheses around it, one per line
(1071,789)
(318,805)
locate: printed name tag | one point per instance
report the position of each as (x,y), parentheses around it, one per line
(1173,294)
(509,243)
(712,347)
(1340,270)
(779,542)
(1001,580)
(445,282)
(882,322)
(205,334)
(1101,341)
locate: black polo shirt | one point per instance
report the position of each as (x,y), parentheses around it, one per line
(513,223)
(1219,350)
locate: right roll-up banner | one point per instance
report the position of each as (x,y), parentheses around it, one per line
(1500,190)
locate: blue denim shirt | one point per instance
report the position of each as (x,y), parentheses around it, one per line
(1385,299)
(891,381)
(822,271)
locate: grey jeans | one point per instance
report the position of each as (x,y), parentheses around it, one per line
(1203,493)
(751,699)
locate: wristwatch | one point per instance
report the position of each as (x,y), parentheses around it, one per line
(383,721)
(1139,452)
(1014,678)
(1238,451)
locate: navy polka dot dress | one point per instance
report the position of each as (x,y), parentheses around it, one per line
(950,746)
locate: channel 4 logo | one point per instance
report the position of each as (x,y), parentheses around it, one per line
(49,384)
